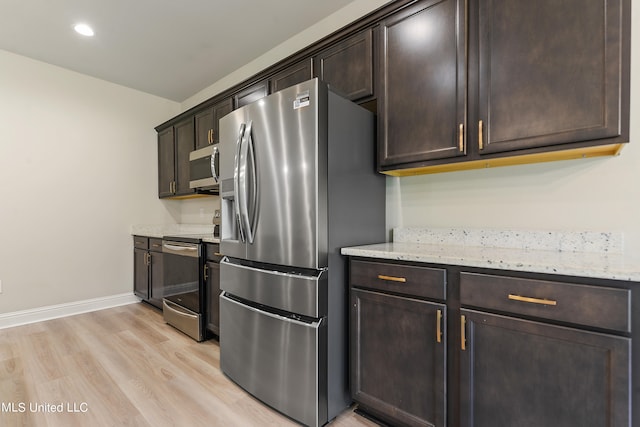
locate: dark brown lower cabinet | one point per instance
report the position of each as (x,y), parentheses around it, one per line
(517,372)
(147,267)
(398,358)
(212,287)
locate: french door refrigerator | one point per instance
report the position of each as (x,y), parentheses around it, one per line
(298,182)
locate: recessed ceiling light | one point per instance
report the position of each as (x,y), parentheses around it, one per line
(83,29)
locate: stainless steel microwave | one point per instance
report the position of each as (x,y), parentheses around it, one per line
(204,168)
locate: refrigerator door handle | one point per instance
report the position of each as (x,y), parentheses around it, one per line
(245,149)
(252,223)
(214,171)
(236,181)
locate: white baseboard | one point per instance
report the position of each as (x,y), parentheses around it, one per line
(40,314)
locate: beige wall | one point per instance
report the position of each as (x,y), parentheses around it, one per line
(78,166)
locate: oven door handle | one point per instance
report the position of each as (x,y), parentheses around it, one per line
(190,251)
(179,310)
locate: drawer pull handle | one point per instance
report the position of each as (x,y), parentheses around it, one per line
(392,278)
(217,254)
(532,300)
(439,326)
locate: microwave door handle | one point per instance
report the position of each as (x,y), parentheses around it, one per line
(214,172)
(242,184)
(236,180)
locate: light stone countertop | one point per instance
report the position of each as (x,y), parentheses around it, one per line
(599,255)
(161,230)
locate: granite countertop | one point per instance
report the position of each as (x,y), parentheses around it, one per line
(161,230)
(585,254)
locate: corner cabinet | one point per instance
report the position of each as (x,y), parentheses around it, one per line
(546,80)
(445,345)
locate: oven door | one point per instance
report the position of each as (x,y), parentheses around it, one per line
(181,304)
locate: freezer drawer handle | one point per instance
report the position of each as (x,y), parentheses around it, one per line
(542,301)
(315,324)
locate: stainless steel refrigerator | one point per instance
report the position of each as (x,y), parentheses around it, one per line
(298,182)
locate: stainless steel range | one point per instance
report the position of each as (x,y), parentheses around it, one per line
(297,184)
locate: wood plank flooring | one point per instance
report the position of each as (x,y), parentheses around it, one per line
(123,367)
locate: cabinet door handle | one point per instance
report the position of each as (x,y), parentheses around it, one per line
(463,337)
(392,278)
(439,326)
(147,258)
(461,137)
(206,272)
(542,301)
(480,133)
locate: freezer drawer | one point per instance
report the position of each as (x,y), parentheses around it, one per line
(296,293)
(278,360)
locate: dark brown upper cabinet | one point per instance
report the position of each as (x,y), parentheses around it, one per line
(546,81)
(207,122)
(348,66)
(166,162)
(292,75)
(422,102)
(251,94)
(174,145)
(550,73)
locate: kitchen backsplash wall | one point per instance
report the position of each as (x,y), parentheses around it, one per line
(198,211)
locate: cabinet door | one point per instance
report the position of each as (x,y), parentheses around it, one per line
(204,128)
(140,274)
(421,104)
(550,72)
(156,281)
(251,94)
(185,144)
(398,362)
(521,373)
(348,66)
(297,73)
(220,110)
(206,122)
(212,284)
(166,162)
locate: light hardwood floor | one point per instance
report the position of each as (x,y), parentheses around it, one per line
(122,367)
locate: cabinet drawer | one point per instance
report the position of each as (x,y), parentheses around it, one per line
(601,307)
(155,244)
(417,281)
(140,242)
(213,252)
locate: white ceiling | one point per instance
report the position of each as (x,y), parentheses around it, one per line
(169,48)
